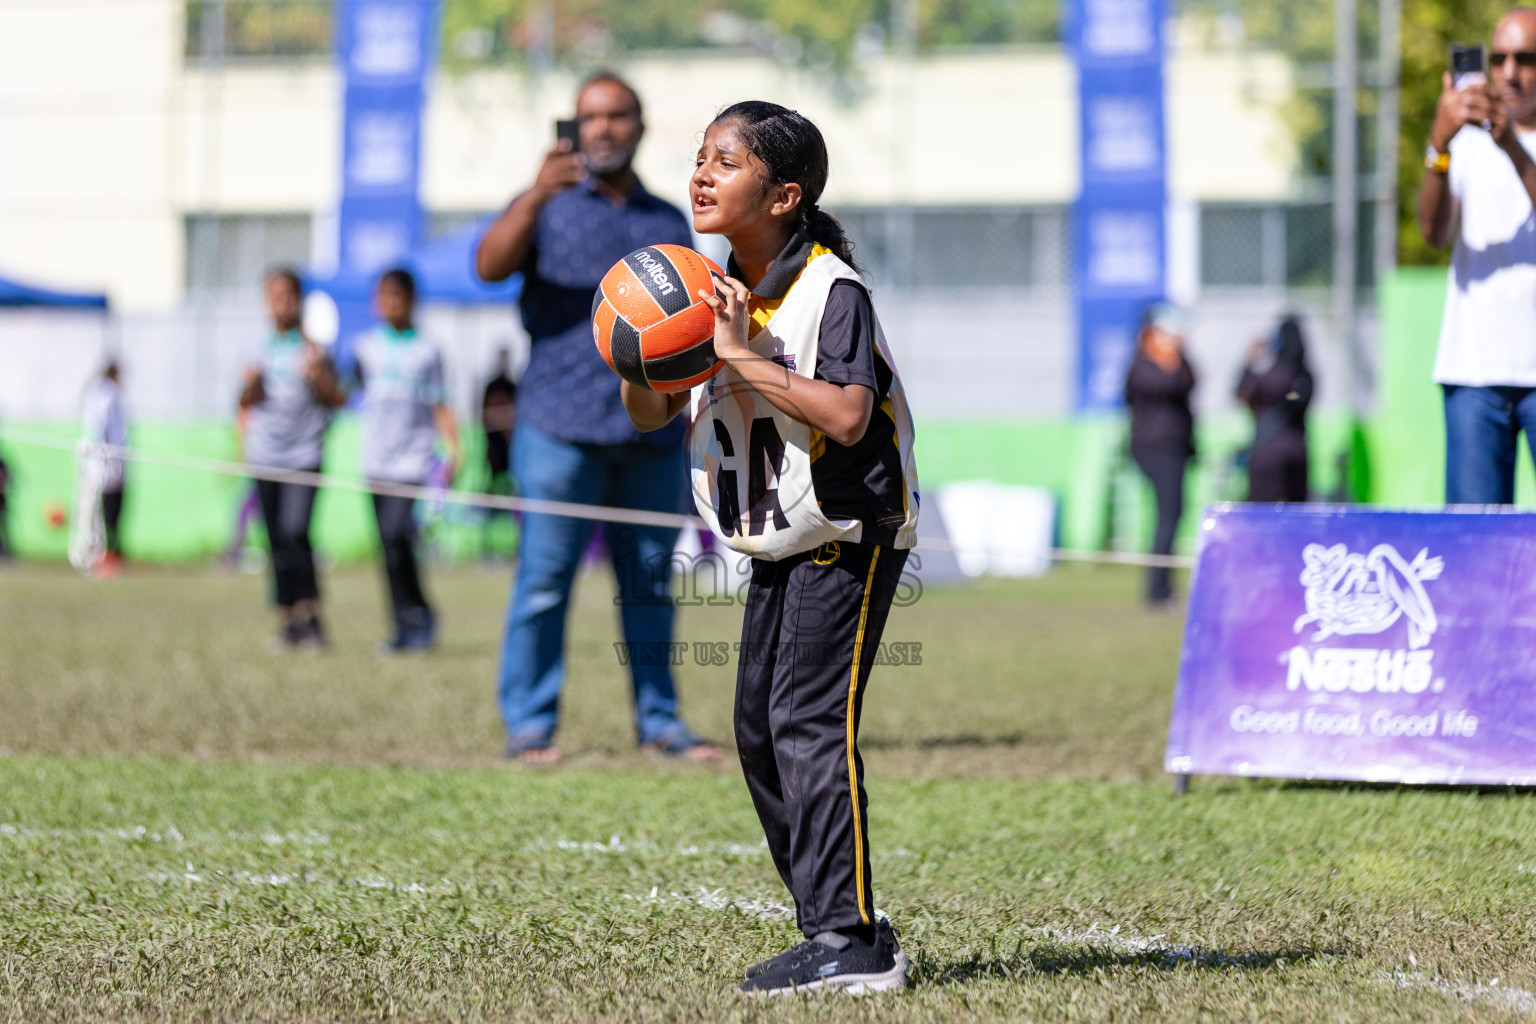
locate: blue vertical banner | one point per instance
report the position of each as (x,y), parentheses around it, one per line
(385,50)
(1119,229)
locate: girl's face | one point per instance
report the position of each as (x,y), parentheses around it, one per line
(729,192)
(1161,345)
(282,303)
(393,304)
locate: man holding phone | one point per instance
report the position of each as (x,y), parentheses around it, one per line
(585,211)
(1479,194)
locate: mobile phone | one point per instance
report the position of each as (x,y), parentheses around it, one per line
(1468,65)
(569,130)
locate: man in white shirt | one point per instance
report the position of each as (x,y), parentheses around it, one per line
(1480,194)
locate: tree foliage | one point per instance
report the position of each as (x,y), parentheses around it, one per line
(259,28)
(1303,31)
(813,32)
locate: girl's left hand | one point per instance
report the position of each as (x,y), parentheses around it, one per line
(729,301)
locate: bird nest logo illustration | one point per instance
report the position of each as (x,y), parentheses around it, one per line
(1350,594)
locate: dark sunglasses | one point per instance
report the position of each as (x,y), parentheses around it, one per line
(1524,58)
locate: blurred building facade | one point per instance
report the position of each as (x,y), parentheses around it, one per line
(139,164)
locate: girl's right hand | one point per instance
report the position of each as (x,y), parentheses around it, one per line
(730,301)
(253,390)
(312,359)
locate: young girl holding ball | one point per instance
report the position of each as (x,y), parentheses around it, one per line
(801,458)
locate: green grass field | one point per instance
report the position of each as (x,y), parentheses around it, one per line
(192,827)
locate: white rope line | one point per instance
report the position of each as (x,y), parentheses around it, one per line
(599,513)
(358,485)
(1122,558)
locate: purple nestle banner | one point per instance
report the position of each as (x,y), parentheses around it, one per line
(1330,643)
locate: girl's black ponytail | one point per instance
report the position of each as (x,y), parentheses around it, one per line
(792,150)
(824,229)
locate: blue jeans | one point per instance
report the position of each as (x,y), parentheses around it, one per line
(1482,431)
(638,476)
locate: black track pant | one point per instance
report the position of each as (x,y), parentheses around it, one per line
(809,639)
(397,534)
(111,515)
(287,509)
(1165,471)
(1277,469)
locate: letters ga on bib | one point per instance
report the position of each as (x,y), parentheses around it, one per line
(751,463)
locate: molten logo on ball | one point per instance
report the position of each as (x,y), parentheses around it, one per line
(653,269)
(648,322)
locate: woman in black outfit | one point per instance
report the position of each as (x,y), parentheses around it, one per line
(1277,386)
(1157,390)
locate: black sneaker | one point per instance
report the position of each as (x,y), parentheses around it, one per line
(773,961)
(883,927)
(832,962)
(312,636)
(892,935)
(415,633)
(288,638)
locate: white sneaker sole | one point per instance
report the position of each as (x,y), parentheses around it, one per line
(847,984)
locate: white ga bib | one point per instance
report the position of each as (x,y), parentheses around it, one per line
(751,462)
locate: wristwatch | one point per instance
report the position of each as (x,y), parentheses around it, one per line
(1436,161)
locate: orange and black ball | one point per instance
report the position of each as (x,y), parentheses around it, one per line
(649,323)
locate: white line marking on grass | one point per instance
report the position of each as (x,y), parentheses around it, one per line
(247,878)
(1171,954)
(1111,938)
(617,844)
(137,834)
(189,875)
(1514,1000)
(308,837)
(141,834)
(192,874)
(725,849)
(374,882)
(711,899)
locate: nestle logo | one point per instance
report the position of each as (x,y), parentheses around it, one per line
(1360,670)
(1354,594)
(1350,594)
